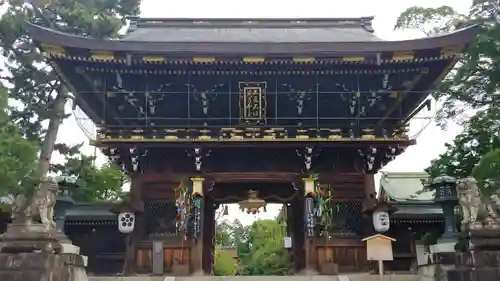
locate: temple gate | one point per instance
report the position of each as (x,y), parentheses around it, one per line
(200,111)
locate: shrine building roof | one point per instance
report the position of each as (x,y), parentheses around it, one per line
(272,37)
(252,30)
(405,187)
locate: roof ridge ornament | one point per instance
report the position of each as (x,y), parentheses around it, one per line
(133,23)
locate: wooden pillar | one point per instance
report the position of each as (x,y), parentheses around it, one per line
(135,204)
(370,192)
(370,201)
(208,234)
(298,235)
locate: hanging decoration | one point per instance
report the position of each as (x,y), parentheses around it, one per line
(181,200)
(310,219)
(196,215)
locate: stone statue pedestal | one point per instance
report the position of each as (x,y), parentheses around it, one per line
(34,237)
(30,253)
(478,261)
(484,239)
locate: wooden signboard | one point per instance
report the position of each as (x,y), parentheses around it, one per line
(379,248)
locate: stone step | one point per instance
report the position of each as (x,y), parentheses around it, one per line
(354,277)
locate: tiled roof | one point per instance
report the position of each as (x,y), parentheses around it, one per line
(90,211)
(402,187)
(252,30)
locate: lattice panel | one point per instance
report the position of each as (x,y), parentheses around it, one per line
(160,219)
(347,218)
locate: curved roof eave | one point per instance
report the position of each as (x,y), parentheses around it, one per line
(460,37)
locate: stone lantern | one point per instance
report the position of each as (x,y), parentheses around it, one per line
(67,186)
(446,196)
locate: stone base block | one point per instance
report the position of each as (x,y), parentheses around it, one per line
(483,274)
(67,248)
(42,267)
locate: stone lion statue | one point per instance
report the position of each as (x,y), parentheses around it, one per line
(42,205)
(478,211)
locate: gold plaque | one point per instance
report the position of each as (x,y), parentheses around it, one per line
(252,102)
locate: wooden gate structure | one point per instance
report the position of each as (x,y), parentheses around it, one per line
(230,105)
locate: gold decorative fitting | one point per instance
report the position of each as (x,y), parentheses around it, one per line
(153,59)
(368,134)
(203,60)
(137,137)
(402,56)
(303,60)
(103,56)
(254,60)
(353,59)
(197,186)
(309,185)
(451,50)
(335,134)
(51,49)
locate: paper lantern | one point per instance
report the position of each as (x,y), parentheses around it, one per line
(381,221)
(126,222)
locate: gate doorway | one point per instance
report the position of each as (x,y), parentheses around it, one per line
(260,237)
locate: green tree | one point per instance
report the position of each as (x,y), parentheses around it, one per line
(473,84)
(479,136)
(37,92)
(224,263)
(267,255)
(487,172)
(469,94)
(224,235)
(17,155)
(430,21)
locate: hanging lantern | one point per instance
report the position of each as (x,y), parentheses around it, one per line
(381,221)
(126,222)
(226,211)
(253,203)
(380,214)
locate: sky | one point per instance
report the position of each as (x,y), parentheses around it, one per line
(430,138)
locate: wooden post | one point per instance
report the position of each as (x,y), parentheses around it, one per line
(381,269)
(370,193)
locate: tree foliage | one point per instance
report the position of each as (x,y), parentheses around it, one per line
(37,95)
(224,263)
(259,247)
(94,183)
(430,21)
(480,135)
(469,94)
(267,254)
(17,155)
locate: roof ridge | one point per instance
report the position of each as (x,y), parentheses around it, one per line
(138,22)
